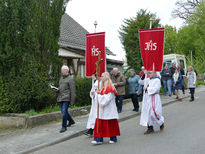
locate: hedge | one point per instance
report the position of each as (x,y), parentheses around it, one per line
(25,93)
(83,87)
(25,96)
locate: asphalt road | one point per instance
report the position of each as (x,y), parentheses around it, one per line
(184,133)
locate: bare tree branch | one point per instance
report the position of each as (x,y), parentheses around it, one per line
(185,8)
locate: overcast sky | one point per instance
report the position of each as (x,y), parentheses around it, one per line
(109,15)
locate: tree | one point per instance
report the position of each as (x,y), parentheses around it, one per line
(29,32)
(191,37)
(129,36)
(170,40)
(185,8)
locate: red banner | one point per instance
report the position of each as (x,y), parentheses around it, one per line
(152,47)
(95,44)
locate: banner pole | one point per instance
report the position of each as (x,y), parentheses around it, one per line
(150,24)
(98,78)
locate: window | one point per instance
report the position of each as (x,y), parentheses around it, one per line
(181,63)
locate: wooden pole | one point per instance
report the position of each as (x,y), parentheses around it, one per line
(98,79)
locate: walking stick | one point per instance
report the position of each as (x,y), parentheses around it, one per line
(98,79)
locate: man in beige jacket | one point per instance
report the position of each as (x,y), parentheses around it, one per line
(119,83)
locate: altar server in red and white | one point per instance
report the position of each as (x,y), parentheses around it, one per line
(108,116)
(93,110)
(151,114)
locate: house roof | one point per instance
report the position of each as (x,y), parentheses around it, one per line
(73,35)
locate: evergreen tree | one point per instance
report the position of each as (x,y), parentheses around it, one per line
(129,36)
(29,33)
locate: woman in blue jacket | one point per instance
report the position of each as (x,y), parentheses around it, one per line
(134,86)
(177,77)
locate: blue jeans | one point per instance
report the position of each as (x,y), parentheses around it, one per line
(167,85)
(118,101)
(65,115)
(100,139)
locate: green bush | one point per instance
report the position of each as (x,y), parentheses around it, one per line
(127,95)
(83,87)
(4,105)
(198,82)
(27,90)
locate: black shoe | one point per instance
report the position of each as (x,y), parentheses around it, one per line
(137,110)
(191,100)
(89,132)
(133,109)
(162,127)
(70,123)
(63,129)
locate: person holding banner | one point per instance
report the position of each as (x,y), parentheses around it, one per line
(151,114)
(93,109)
(107,124)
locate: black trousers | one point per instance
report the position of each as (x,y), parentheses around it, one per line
(149,127)
(192,91)
(135,102)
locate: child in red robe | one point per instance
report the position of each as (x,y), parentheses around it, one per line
(107,124)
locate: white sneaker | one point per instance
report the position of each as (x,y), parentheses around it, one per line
(111,142)
(95,142)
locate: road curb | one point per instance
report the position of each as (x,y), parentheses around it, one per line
(38,147)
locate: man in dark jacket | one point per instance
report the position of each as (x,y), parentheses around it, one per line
(167,80)
(66,96)
(119,83)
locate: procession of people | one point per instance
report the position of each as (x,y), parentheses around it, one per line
(108,91)
(107,94)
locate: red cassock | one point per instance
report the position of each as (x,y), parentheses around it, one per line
(107,127)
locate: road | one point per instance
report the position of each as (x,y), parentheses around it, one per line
(184,133)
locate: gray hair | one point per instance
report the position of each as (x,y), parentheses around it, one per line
(132,70)
(65,67)
(115,69)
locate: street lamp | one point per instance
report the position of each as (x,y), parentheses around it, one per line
(95,24)
(150,25)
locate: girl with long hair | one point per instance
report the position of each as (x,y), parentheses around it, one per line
(107,124)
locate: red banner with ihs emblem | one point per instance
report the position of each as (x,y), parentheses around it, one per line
(95,45)
(152,47)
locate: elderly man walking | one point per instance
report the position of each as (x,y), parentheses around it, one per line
(119,83)
(66,96)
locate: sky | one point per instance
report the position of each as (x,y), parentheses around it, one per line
(110,14)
